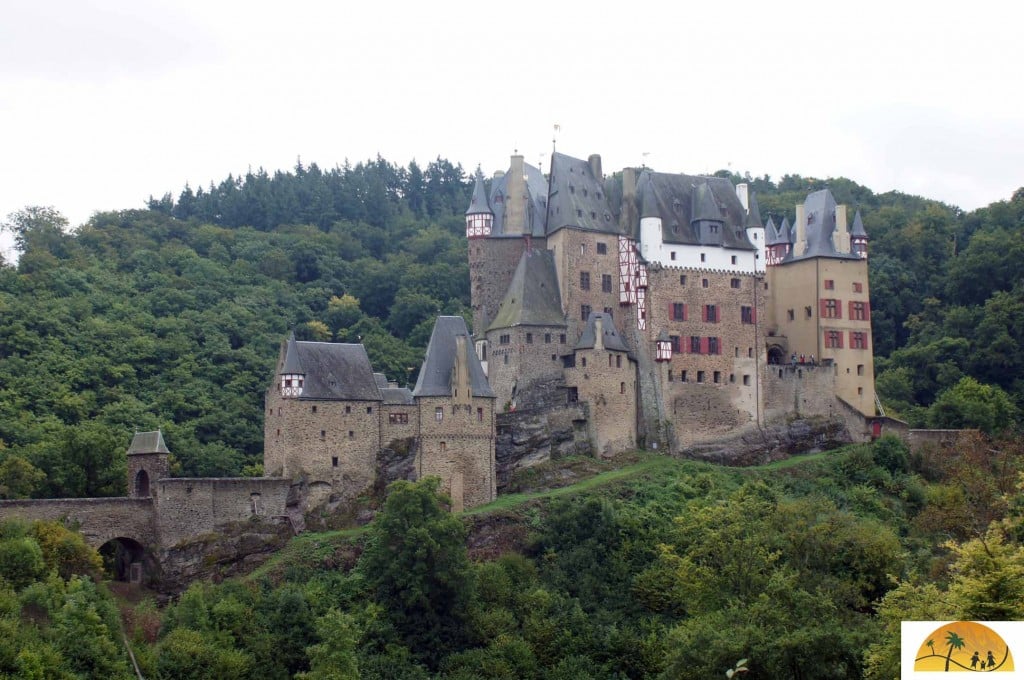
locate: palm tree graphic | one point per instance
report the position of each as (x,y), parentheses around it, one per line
(955,642)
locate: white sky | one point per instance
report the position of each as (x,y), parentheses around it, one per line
(104,102)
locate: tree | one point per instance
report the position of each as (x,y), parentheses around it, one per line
(417,569)
(37,227)
(19,478)
(970,404)
(334,657)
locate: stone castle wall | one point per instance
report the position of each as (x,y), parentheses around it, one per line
(492,262)
(576,253)
(456,443)
(801,390)
(714,390)
(186,507)
(533,354)
(333,444)
(101,519)
(606,382)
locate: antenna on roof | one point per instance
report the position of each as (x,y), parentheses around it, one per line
(645,154)
(554,137)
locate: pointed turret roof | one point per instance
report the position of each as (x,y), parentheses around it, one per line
(753,213)
(292,364)
(533,298)
(858,227)
(435,378)
(785,231)
(704,205)
(479,204)
(148,442)
(609,334)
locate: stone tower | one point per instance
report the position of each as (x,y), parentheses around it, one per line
(456,416)
(147,462)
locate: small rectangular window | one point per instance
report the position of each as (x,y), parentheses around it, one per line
(703,283)
(746,380)
(682,376)
(606,283)
(334,461)
(713,346)
(547,338)
(622,388)
(700,376)
(860,369)
(733,259)
(313,409)
(439,414)
(718,376)
(529,338)
(830,284)
(585,312)
(602,248)
(858,287)
(323,433)
(351,434)
(682,279)
(734,283)
(561,338)
(348,409)
(618,361)
(585,280)
(674,342)
(790,315)
(369,409)
(747,314)
(480,414)
(695,344)
(672,255)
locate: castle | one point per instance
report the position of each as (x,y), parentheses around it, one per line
(650,309)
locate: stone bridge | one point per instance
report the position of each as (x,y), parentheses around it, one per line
(99,519)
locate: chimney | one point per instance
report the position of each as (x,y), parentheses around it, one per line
(841,236)
(599,333)
(629,214)
(515,197)
(461,388)
(595,166)
(743,193)
(800,239)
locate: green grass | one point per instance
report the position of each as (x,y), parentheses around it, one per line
(314,547)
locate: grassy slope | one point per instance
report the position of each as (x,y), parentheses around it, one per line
(315,547)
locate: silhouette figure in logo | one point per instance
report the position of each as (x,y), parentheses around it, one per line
(991,660)
(974,661)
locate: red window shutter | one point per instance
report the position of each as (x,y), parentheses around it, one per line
(670,312)
(719,346)
(753,315)
(704,345)
(840,338)
(867,311)
(704,313)
(839,309)
(849,309)
(821,306)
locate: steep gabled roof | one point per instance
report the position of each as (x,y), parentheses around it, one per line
(672,199)
(577,198)
(148,442)
(536,206)
(753,213)
(609,333)
(336,370)
(435,379)
(785,231)
(533,298)
(479,204)
(820,216)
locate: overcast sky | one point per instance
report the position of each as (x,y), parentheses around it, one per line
(105,102)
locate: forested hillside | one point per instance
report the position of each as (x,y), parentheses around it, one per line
(171,316)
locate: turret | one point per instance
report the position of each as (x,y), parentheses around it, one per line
(755,230)
(292,375)
(858,238)
(147,462)
(707,216)
(479,216)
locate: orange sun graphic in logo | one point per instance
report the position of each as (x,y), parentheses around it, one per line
(964,646)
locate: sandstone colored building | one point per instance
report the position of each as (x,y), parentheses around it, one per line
(664,305)
(328,416)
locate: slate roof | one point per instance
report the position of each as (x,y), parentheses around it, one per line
(335,370)
(753,213)
(479,204)
(776,236)
(536,209)
(148,442)
(533,297)
(381,380)
(858,226)
(612,339)
(679,200)
(291,357)
(397,396)
(435,379)
(577,198)
(820,214)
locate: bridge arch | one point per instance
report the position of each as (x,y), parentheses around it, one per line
(125,559)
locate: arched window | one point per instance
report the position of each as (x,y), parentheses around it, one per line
(142,483)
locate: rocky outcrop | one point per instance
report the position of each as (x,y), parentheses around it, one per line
(527,437)
(757,446)
(235,548)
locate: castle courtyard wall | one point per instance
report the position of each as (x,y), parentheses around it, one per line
(606,381)
(186,507)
